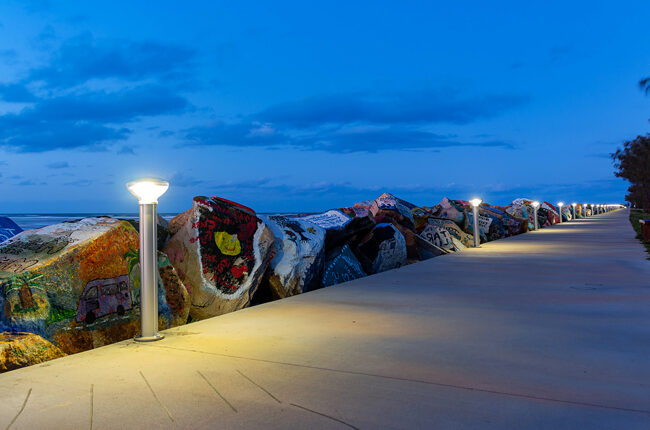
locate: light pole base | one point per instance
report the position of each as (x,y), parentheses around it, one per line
(153,338)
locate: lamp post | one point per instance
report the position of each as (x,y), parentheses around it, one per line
(573,205)
(535,206)
(147,191)
(475,204)
(560,206)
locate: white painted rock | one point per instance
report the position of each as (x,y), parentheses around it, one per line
(299,253)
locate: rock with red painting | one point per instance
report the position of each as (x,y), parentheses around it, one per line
(384,248)
(341,228)
(553,217)
(341,265)
(221,251)
(299,253)
(8,228)
(388,208)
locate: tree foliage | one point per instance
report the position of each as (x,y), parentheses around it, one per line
(632,162)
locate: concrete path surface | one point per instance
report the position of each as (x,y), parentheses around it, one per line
(549,329)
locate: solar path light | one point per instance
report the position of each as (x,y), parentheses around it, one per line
(535,206)
(147,191)
(560,206)
(475,204)
(573,205)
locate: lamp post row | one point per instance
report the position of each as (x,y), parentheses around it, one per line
(595,209)
(148,191)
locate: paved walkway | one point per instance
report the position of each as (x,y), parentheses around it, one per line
(549,329)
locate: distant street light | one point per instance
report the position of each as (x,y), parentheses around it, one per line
(535,206)
(147,191)
(475,204)
(560,205)
(574,210)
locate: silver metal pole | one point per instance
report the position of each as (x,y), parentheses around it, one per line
(148,278)
(560,214)
(477,237)
(535,216)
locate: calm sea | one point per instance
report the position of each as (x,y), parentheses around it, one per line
(30,221)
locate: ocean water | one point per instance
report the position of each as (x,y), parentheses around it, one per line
(31,221)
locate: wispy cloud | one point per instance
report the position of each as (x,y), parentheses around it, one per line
(58,165)
(361,122)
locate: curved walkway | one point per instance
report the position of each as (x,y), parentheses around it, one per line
(550,329)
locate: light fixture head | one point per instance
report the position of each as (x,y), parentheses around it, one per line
(147,190)
(574,204)
(476,202)
(535,204)
(560,204)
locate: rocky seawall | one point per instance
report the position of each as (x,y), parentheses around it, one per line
(74,286)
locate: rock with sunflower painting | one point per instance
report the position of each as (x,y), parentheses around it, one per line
(220,251)
(73,284)
(299,252)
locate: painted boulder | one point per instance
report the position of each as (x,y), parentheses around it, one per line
(384,248)
(75,284)
(25,349)
(341,265)
(460,238)
(454,210)
(162,230)
(299,253)
(441,238)
(8,228)
(341,228)
(221,252)
(388,208)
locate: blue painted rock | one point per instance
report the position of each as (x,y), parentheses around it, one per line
(299,253)
(221,251)
(384,248)
(75,284)
(341,228)
(341,265)
(25,349)
(8,228)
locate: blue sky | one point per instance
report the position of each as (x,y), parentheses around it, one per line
(296,106)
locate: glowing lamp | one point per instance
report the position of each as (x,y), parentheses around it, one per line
(147,191)
(535,206)
(477,238)
(560,206)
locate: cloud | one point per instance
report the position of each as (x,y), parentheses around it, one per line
(427,106)
(361,122)
(16,93)
(79,183)
(85,119)
(339,140)
(58,165)
(83,58)
(180,179)
(126,150)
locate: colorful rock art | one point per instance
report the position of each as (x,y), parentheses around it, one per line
(342,227)
(299,254)
(221,251)
(75,284)
(461,238)
(25,349)
(388,208)
(341,265)
(384,248)
(8,228)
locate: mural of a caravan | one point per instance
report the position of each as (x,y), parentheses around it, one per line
(104,296)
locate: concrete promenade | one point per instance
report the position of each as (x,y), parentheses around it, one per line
(549,329)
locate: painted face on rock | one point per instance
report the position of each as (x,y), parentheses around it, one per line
(228,244)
